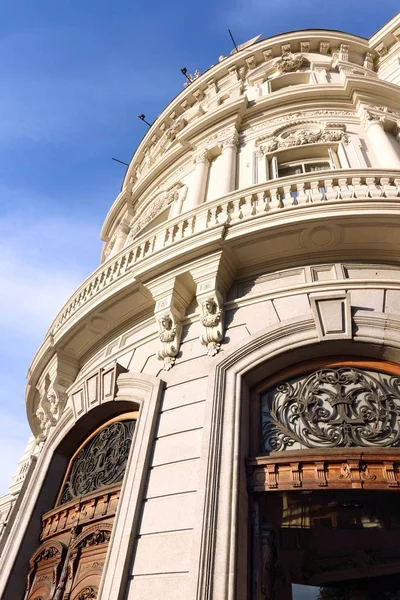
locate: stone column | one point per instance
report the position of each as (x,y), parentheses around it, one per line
(384,148)
(197,188)
(120,239)
(227,165)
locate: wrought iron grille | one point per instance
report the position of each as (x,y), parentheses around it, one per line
(101,462)
(330,408)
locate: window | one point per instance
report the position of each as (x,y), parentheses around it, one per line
(295,162)
(303,167)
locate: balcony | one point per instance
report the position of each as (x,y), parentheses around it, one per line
(278,203)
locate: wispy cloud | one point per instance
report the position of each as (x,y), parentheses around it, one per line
(43,258)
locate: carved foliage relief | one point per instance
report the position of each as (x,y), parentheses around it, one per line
(332,407)
(302,134)
(101,462)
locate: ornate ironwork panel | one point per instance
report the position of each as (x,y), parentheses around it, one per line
(330,408)
(101,462)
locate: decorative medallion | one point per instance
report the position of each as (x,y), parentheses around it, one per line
(101,462)
(332,408)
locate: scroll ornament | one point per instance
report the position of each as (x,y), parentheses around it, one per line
(170,330)
(212,320)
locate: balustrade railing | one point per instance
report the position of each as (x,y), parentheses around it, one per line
(261,200)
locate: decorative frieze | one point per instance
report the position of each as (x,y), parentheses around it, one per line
(336,471)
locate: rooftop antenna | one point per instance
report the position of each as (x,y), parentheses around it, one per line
(120,161)
(143,118)
(184,72)
(233,41)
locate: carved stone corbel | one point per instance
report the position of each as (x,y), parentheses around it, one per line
(172,298)
(212,287)
(213,322)
(170,331)
(51,394)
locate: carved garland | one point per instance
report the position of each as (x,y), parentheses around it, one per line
(332,408)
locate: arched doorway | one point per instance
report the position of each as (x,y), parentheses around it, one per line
(76,533)
(322,480)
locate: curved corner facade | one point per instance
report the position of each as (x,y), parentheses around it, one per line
(222,394)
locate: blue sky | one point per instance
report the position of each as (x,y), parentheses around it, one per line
(74,77)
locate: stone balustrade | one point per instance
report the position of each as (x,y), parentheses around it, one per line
(299,192)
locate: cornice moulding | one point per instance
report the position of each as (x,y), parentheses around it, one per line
(355,43)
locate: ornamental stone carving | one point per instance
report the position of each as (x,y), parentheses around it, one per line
(288,63)
(170,335)
(212,321)
(47,553)
(191,78)
(156,206)
(175,128)
(99,536)
(88,593)
(231,141)
(307,134)
(49,410)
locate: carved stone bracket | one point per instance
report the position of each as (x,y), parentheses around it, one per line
(211,289)
(213,320)
(51,393)
(170,331)
(172,298)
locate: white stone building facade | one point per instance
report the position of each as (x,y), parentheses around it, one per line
(255,238)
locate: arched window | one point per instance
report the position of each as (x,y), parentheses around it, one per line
(76,533)
(100,462)
(322,481)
